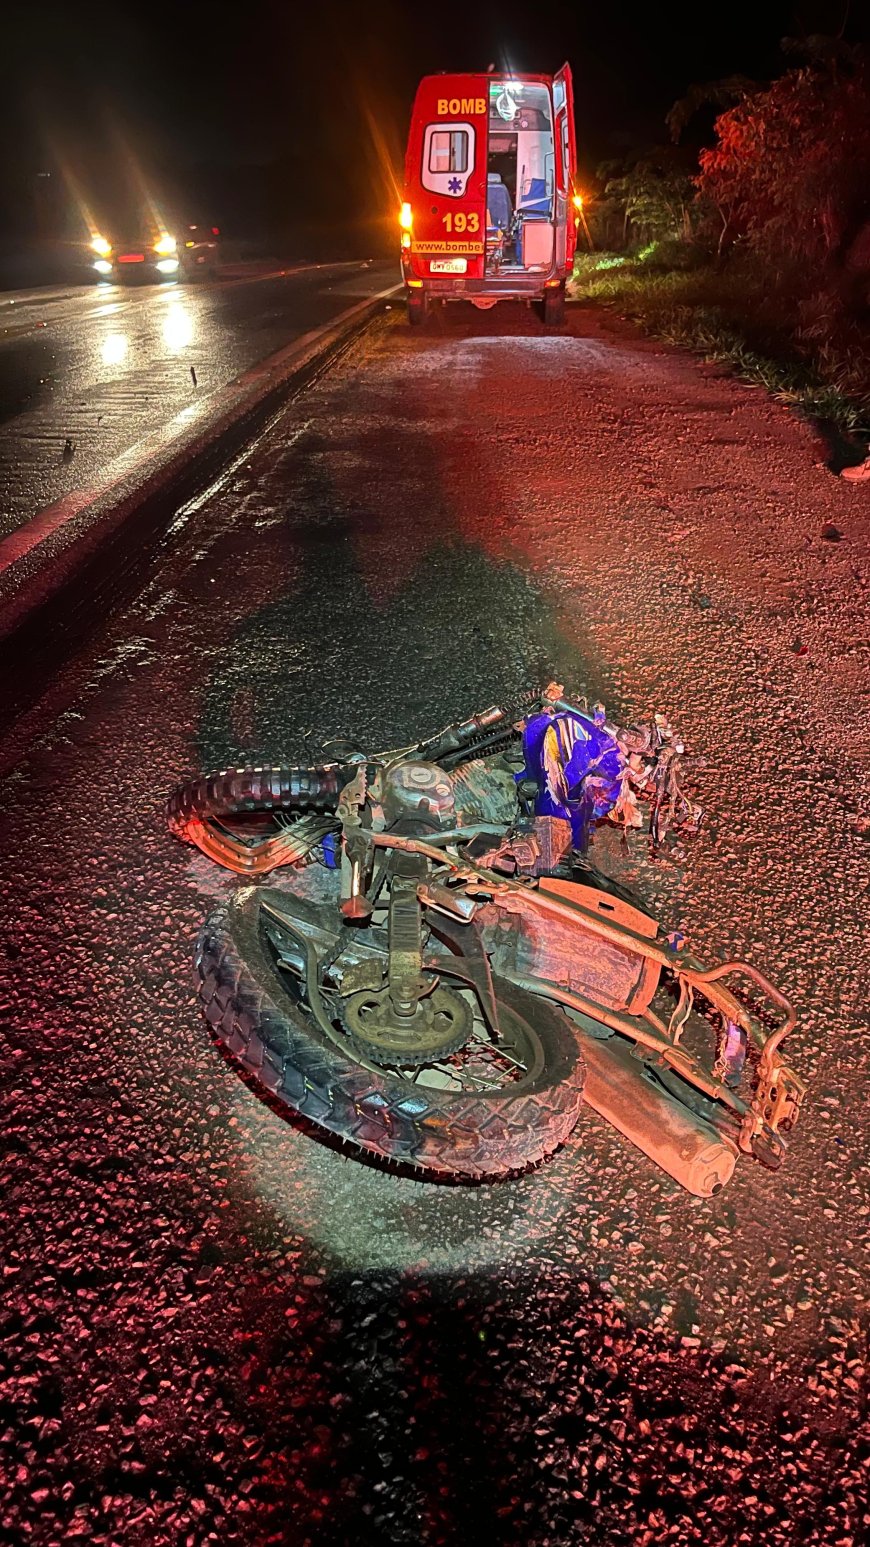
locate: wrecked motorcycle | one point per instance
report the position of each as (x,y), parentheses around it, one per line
(459,978)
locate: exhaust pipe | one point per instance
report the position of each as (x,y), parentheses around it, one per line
(685,1145)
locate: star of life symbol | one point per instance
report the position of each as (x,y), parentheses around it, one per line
(454,185)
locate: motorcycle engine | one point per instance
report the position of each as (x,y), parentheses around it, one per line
(419,796)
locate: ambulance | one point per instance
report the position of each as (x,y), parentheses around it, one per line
(490,210)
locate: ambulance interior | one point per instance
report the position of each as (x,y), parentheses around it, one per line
(520,178)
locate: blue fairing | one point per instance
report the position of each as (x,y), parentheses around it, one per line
(332,851)
(577,770)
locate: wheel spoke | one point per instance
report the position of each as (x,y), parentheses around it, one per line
(481,1064)
(499,1052)
(452,1074)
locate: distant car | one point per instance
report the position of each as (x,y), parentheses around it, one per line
(156,255)
(201,246)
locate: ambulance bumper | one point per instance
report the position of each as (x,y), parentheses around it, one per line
(448,287)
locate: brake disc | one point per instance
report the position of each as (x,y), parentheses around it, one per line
(440,1025)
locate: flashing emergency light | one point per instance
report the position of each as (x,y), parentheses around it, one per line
(406,218)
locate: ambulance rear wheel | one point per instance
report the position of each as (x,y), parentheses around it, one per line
(418,310)
(553,307)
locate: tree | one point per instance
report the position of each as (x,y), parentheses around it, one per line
(653,196)
(788,172)
(719,94)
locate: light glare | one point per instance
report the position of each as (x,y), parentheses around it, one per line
(177,327)
(115,348)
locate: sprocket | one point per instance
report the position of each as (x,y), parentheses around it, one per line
(440,1026)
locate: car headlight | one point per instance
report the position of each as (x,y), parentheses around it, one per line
(165,246)
(101,247)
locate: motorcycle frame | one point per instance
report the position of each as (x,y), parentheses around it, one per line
(777,1091)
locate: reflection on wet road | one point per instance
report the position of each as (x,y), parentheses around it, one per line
(86,373)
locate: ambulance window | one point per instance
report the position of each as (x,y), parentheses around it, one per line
(448,158)
(448,151)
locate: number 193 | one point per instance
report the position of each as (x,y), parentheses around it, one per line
(461,222)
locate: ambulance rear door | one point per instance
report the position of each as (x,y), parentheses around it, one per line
(446,177)
(566,167)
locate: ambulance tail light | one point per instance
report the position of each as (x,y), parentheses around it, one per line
(406,218)
(406,239)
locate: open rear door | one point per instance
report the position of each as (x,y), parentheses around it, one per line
(566,167)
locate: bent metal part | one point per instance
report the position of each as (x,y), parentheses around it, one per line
(463,857)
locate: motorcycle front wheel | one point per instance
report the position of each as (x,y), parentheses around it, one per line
(498,1107)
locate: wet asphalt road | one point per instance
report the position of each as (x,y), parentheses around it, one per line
(103,366)
(217,1328)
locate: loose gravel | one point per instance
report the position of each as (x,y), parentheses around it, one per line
(217,1328)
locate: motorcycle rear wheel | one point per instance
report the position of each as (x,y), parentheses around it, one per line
(467,1133)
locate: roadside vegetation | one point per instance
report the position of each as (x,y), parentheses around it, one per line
(754,250)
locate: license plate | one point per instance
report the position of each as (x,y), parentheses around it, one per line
(448,266)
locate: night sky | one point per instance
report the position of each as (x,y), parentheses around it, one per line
(195,93)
